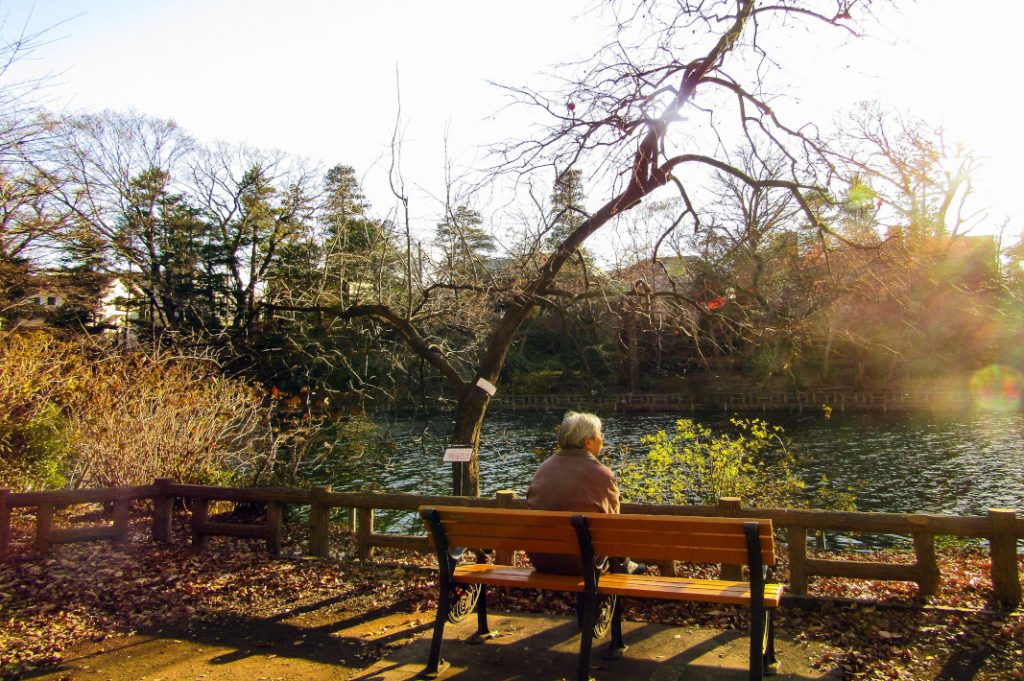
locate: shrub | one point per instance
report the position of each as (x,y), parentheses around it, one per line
(694,466)
(36,379)
(138,417)
(83,415)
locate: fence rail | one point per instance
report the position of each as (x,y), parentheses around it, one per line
(1001,527)
(793,401)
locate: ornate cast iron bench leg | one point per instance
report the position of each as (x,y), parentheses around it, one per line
(758,634)
(605,610)
(461,601)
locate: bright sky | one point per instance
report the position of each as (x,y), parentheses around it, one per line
(317,78)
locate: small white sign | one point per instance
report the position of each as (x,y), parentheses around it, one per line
(458,454)
(486,386)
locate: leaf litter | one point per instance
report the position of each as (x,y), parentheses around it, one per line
(94,591)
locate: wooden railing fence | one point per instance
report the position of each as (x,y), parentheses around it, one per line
(1003,528)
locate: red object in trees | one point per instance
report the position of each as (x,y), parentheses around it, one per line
(715,303)
(571,106)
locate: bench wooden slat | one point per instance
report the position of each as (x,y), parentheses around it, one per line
(658,552)
(668,551)
(519,578)
(701,540)
(508,529)
(538,545)
(564,533)
(722,540)
(725,538)
(710,525)
(680,589)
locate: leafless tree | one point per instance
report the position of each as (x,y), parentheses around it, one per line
(624,114)
(30,221)
(920,179)
(923,300)
(22,121)
(93,169)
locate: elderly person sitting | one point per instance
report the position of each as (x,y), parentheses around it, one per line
(573,480)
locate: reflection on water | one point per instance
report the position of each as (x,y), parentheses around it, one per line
(959,465)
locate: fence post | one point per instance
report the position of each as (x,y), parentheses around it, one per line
(163,508)
(928,575)
(122,514)
(319,522)
(44,526)
(504,498)
(796,537)
(200,514)
(730,508)
(5,523)
(275,517)
(364,528)
(1003,548)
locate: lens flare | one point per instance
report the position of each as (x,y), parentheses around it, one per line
(997,388)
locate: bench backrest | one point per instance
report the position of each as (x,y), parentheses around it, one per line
(688,538)
(696,539)
(480,528)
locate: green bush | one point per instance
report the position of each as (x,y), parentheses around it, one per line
(36,379)
(695,466)
(32,450)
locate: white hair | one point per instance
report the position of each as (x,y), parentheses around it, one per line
(577,427)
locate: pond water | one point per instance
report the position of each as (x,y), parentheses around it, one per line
(961,464)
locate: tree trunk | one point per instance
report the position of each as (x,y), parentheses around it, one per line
(473,400)
(469,418)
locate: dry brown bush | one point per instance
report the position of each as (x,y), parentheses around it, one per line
(138,417)
(99,416)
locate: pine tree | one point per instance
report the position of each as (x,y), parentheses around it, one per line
(357,247)
(566,205)
(164,236)
(464,244)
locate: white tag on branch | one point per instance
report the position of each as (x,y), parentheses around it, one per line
(486,386)
(458,454)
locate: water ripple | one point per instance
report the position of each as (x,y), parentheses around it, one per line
(893,463)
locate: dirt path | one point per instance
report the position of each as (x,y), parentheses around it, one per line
(316,646)
(327,640)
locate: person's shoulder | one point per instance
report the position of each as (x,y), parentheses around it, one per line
(598,466)
(549,462)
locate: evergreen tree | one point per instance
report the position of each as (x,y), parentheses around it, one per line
(164,236)
(566,205)
(464,244)
(357,248)
(269,221)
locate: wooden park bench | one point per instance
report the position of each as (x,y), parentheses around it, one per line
(454,530)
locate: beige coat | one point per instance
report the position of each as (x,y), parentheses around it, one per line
(571,480)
